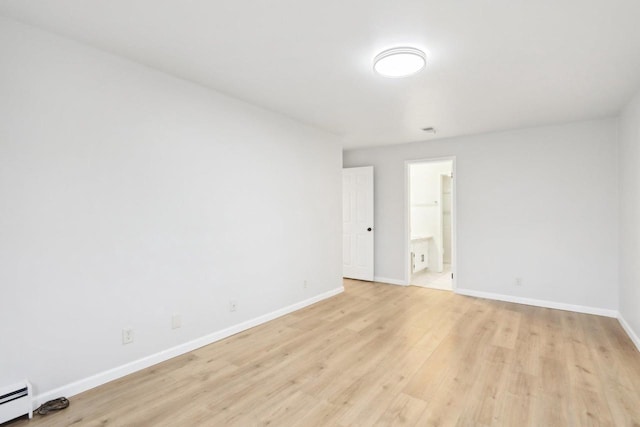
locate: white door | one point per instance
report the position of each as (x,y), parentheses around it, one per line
(357,215)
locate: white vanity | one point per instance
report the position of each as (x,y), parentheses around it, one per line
(420,252)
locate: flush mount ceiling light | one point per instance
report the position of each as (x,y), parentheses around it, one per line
(399,62)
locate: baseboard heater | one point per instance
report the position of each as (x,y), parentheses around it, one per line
(15,401)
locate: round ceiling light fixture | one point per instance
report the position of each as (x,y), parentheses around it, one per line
(399,62)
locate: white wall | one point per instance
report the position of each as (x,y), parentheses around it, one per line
(128,195)
(540,204)
(630,217)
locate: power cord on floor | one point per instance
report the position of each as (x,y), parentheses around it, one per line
(52,406)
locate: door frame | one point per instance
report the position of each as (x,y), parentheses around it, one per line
(454,218)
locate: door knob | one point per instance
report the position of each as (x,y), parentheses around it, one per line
(369,229)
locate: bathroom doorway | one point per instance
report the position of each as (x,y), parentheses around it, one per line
(431,223)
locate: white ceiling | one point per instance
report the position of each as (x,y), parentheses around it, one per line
(492,64)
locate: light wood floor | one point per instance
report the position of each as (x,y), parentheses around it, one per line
(387,355)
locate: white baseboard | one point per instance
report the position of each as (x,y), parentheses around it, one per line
(627,328)
(539,303)
(389,281)
(85,384)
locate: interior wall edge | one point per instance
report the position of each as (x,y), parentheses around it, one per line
(540,303)
(390,281)
(629,330)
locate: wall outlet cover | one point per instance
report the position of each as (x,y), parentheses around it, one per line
(127,336)
(176,321)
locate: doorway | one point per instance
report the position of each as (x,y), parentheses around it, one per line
(431,223)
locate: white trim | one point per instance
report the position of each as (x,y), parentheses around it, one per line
(454,218)
(390,281)
(539,303)
(629,331)
(85,384)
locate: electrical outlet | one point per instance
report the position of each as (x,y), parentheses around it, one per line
(305,285)
(127,336)
(176,321)
(233,305)
(518,281)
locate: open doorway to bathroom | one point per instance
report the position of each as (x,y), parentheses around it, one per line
(431,220)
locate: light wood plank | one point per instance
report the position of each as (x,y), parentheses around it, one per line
(386,355)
